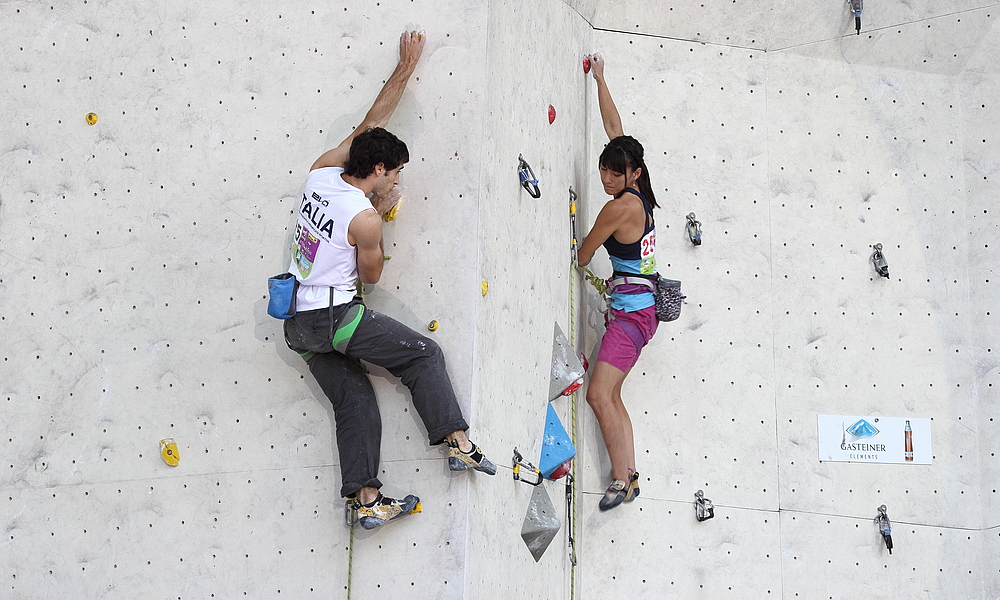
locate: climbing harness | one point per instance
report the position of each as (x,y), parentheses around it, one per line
(693,228)
(348,324)
(878,259)
(703,507)
(633,280)
(528,180)
(520,462)
(884,527)
(667,292)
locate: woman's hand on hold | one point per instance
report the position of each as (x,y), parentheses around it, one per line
(596,65)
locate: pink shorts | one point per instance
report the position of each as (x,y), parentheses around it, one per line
(626,334)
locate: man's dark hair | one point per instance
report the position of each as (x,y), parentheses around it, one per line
(371,147)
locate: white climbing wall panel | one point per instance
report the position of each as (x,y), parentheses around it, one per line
(133,255)
(525,259)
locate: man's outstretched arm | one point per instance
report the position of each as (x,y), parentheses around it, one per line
(411,45)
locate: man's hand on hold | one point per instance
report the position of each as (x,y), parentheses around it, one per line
(411,46)
(383,203)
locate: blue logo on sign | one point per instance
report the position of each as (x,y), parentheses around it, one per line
(862,430)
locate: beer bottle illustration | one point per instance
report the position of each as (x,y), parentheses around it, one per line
(908,438)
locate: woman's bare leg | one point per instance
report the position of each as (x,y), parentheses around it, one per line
(604,395)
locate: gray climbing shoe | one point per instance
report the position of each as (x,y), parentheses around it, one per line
(620,491)
(384,509)
(475,459)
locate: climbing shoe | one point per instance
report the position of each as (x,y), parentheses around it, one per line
(460,461)
(384,509)
(620,491)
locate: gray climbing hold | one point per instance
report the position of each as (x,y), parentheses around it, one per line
(541,523)
(567,370)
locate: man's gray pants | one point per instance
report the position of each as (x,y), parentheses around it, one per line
(417,360)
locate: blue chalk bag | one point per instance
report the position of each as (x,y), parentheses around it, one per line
(281,290)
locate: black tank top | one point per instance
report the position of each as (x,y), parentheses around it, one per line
(631,251)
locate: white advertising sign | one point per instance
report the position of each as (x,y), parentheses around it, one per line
(875,439)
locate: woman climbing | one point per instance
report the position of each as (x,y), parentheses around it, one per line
(625,228)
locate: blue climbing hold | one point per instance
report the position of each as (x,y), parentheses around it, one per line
(557,448)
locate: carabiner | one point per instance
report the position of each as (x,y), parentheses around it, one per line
(518,462)
(856,7)
(878,259)
(528,180)
(884,527)
(694,229)
(351,517)
(572,221)
(703,507)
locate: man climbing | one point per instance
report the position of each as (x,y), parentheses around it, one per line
(338,241)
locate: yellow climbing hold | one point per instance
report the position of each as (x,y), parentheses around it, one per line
(168,450)
(418,508)
(432,326)
(91,118)
(486,288)
(392,212)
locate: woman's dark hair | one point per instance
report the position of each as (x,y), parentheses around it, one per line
(371,147)
(625,152)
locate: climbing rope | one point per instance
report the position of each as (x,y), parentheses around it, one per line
(572,513)
(350,563)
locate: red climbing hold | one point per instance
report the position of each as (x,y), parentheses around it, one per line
(552,114)
(562,470)
(573,387)
(586,65)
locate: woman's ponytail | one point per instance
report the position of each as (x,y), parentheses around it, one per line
(626,152)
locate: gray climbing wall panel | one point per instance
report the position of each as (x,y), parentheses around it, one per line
(133,255)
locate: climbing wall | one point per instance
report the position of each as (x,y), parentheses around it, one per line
(525,258)
(134,258)
(797,161)
(978,86)
(133,254)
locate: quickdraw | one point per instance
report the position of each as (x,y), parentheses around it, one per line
(519,462)
(528,180)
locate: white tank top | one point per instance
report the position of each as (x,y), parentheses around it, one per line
(322,258)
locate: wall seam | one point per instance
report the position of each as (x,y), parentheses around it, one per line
(774,356)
